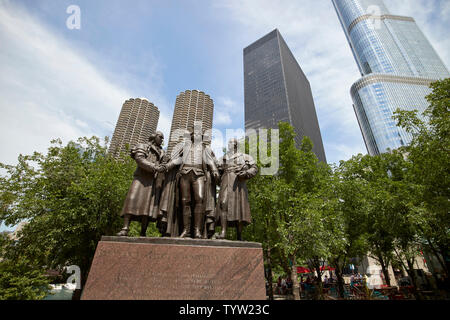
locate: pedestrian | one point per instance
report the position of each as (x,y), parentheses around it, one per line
(365,280)
(278,289)
(331,280)
(283,286)
(289,285)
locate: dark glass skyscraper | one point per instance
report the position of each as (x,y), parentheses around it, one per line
(276,89)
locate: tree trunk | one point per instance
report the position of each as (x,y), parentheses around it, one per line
(319,287)
(440,258)
(84,268)
(269,272)
(77,292)
(444,252)
(285,263)
(340,280)
(384,268)
(413,277)
(295,285)
(433,268)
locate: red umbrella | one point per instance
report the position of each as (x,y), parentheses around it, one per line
(327,268)
(303,270)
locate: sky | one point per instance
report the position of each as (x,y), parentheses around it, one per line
(57,82)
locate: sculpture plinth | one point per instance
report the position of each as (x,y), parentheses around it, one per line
(175,269)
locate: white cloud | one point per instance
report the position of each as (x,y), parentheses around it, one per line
(228,104)
(345,151)
(47,89)
(225,110)
(222,118)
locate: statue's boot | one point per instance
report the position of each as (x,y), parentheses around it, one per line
(161,223)
(223,222)
(144,225)
(186,224)
(239,231)
(123,232)
(210,224)
(126,226)
(221,235)
(198,224)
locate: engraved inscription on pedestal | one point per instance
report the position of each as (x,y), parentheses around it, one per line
(133,270)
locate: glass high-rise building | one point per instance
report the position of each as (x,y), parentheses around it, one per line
(276,89)
(397,63)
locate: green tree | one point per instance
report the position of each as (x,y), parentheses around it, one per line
(401,208)
(20,278)
(375,211)
(263,201)
(350,191)
(70,197)
(263,228)
(286,207)
(429,154)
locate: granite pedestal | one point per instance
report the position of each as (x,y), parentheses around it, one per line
(175,269)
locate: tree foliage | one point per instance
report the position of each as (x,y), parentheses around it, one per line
(21,278)
(429,157)
(389,206)
(70,197)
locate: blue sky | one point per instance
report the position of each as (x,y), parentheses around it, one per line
(56,82)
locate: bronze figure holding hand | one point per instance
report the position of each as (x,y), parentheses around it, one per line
(194,160)
(142,201)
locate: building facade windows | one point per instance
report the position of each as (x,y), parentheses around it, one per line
(138,119)
(276,89)
(397,64)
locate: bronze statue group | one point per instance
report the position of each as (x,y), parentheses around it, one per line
(179,191)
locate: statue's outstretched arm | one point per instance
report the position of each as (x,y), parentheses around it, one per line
(176,158)
(143,163)
(252,171)
(210,159)
(253,168)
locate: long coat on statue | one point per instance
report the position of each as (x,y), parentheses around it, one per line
(143,196)
(169,217)
(170,210)
(234,190)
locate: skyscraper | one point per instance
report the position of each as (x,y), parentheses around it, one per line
(190,106)
(138,119)
(397,64)
(276,89)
